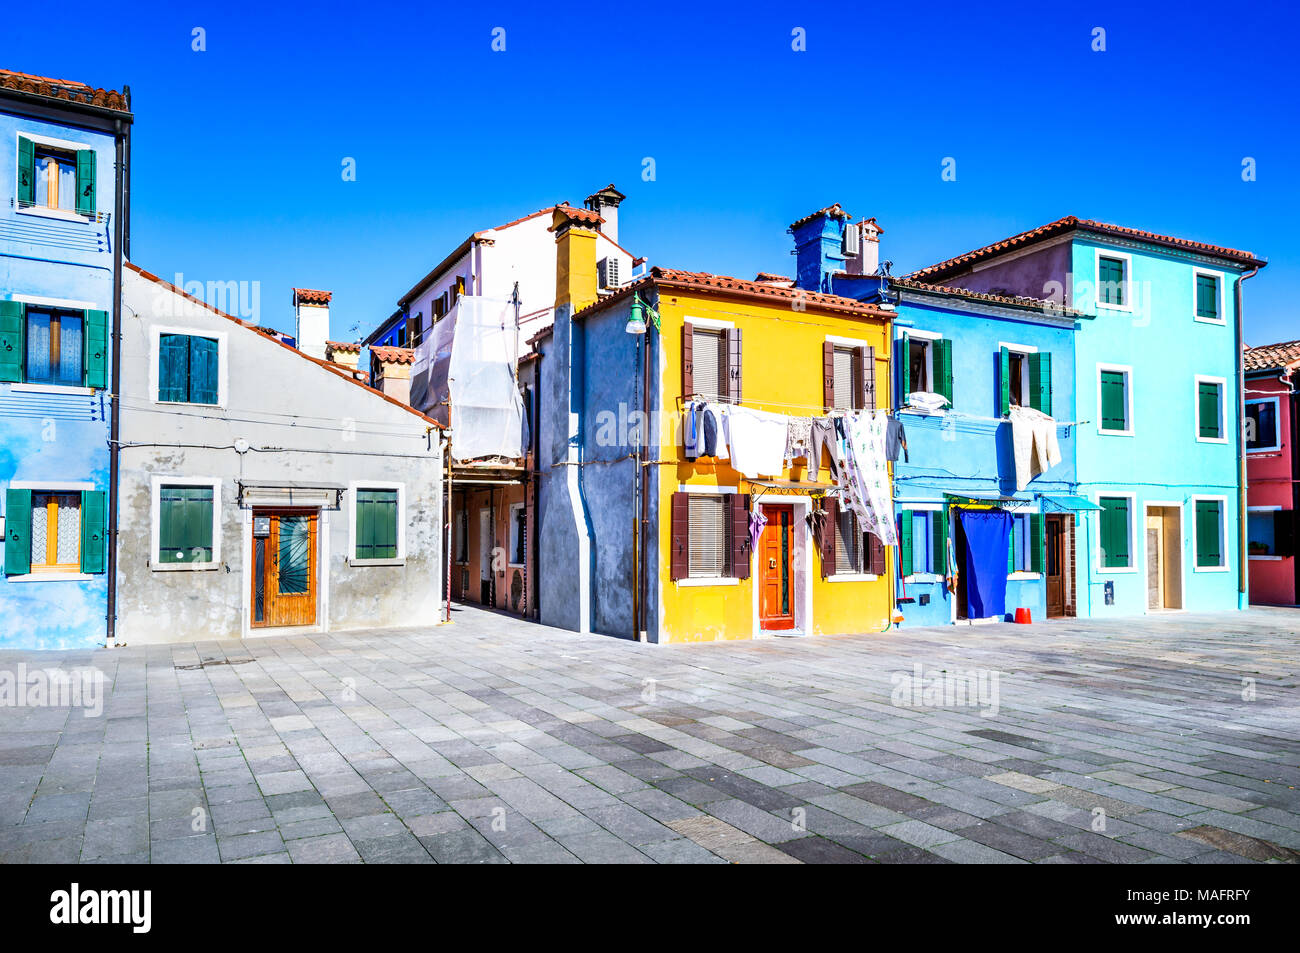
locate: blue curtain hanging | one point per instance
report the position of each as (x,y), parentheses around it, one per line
(988,536)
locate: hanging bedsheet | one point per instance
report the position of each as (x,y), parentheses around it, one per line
(864,475)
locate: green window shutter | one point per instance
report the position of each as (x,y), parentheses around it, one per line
(1208,521)
(94,530)
(173,367)
(203,371)
(26,171)
(939,541)
(185,524)
(18,532)
(365,526)
(1040,382)
(95,363)
(1037,547)
(1208,424)
(905,542)
(86,181)
(1110,273)
(1114,532)
(943,369)
(1114,406)
(376,524)
(1004,381)
(13,316)
(1207,297)
(1016,529)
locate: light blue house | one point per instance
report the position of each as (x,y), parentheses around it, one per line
(63,152)
(962,361)
(1158,394)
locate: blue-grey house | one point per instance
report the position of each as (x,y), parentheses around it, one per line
(63,154)
(1158,394)
(963,362)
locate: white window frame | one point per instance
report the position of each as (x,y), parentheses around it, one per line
(929,337)
(1223,532)
(156,484)
(1261,509)
(58,304)
(1132,567)
(64,215)
(400,559)
(1277,424)
(1223,408)
(1024,350)
(515,508)
(1099,254)
(1025,575)
(156,331)
(854,576)
(922,507)
(39,486)
(1127,371)
(1223,296)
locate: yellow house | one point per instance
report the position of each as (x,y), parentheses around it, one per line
(643,539)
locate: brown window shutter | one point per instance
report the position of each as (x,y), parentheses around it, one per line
(733,365)
(738,509)
(681,536)
(688,363)
(866,377)
(828,374)
(410,332)
(831,509)
(875,555)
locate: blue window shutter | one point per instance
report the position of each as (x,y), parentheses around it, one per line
(18,532)
(173,367)
(13,317)
(203,386)
(86,181)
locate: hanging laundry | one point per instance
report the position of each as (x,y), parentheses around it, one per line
(895,437)
(798,439)
(1033,444)
(756,523)
(757,441)
(822,437)
(690,432)
(715,432)
(865,476)
(926,402)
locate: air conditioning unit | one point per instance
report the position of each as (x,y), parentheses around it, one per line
(851,243)
(607,273)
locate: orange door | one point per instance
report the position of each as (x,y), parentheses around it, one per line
(775,579)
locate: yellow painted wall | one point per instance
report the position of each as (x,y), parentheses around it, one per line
(781,371)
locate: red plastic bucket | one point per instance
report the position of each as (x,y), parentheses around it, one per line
(1023,617)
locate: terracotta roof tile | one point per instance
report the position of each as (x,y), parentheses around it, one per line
(311,296)
(350,347)
(1270,356)
(1069,223)
(64,89)
(393,355)
(338,370)
(1016,301)
(769,276)
(834,211)
(584,216)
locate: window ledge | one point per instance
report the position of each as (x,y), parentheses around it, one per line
(376,562)
(188,403)
(184,567)
(1273,451)
(1209,569)
(1023,576)
(709,581)
(924,577)
(1271,559)
(52,577)
(852,577)
(514,565)
(1125,308)
(72,390)
(63,215)
(1221,322)
(1115,570)
(1200,439)
(1114,433)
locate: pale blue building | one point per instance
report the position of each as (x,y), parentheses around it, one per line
(64,149)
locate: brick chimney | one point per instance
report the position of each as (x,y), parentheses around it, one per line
(338,352)
(311,311)
(575,256)
(605,203)
(819,244)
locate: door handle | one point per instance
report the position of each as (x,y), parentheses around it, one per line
(771,563)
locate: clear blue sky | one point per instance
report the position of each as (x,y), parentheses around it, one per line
(238,149)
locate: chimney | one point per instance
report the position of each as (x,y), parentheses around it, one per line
(348,355)
(868,259)
(605,203)
(575,256)
(311,311)
(819,247)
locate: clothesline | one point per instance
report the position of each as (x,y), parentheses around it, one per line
(965,416)
(820,408)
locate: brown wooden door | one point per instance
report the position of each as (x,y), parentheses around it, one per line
(284,568)
(1056,582)
(775,569)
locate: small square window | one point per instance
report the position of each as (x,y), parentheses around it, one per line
(1114,401)
(708,536)
(1261,424)
(56,532)
(185,524)
(189,369)
(1112,282)
(1209,410)
(55,347)
(1116,532)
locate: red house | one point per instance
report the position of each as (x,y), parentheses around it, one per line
(1272,471)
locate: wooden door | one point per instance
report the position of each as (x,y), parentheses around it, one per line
(1054,527)
(1155,560)
(775,569)
(284,568)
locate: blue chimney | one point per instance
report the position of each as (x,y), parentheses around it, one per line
(819,248)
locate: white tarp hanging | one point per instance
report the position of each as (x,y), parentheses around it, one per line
(471,356)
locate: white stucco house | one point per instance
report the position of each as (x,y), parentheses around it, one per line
(264,491)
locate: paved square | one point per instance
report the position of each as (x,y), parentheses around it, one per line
(1160,740)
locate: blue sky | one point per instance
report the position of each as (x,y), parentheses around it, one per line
(239,149)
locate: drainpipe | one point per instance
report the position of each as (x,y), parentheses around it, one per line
(120,237)
(1243,599)
(574,468)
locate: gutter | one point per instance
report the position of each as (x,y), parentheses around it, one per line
(1243,599)
(121,238)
